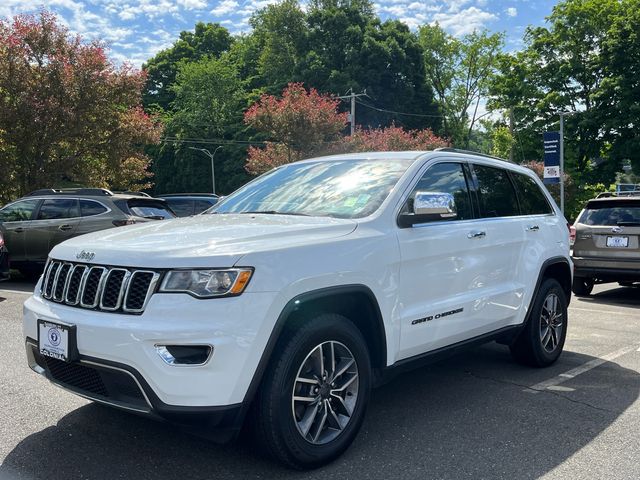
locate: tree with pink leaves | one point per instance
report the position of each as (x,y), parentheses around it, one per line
(67,114)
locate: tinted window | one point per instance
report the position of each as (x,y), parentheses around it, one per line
(149,209)
(532,200)
(202,205)
(90,208)
(19,211)
(495,191)
(611,213)
(52,209)
(181,206)
(446,178)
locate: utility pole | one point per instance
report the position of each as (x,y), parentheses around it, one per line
(562,115)
(352,96)
(213,172)
(512,122)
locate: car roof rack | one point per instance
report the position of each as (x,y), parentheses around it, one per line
(470,152)
(133,194)
(102,192)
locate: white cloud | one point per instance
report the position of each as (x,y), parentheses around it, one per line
(465,21)
(511,11)
(192,4)
(225,7)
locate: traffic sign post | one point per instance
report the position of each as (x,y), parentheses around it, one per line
(553,171)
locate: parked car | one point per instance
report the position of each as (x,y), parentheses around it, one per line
(606,247)
(302,290)
(34,224)
(187,204)
(4,260)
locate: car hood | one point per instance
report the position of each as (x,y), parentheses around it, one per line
(217,240)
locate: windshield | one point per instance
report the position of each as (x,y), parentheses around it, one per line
(338,188)
(611,214)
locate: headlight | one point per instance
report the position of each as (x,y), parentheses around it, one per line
(207,283)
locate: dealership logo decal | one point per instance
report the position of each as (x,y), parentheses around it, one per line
(88,256)
(54,337)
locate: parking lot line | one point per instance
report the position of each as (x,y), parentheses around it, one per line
(574,372)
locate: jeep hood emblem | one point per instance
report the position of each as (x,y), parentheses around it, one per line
(84,255)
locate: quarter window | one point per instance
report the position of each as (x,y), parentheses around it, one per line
(495,192)
(18,211)
(90,208)
(53,209)
(446,178)
(532,200)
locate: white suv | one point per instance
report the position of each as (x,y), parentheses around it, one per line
(303,290)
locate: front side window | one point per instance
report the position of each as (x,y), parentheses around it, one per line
(18,211)
(495,192)
(446,178)
(340,188)
(53,209)
(532,200)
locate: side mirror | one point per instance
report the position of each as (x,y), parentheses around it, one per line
(428,207)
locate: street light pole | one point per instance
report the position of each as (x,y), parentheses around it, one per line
(210,155)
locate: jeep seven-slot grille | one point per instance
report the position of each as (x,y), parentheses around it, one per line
(111,289)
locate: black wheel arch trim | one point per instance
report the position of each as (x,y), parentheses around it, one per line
(294,305)
(545,266)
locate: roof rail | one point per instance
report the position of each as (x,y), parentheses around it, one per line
(470,152)
(71,191)
(133,194)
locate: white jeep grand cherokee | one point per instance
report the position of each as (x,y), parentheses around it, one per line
(303,290)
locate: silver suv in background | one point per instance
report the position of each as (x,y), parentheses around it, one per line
(607,243)
(34,224)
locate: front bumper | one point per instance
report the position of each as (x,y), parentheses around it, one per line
(237,328)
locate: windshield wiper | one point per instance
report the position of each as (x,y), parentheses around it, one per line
(276,212)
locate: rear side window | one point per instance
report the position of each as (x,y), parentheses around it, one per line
(446,178)
(532,200)
(181,206)
(495,192)
(52,209)
(149,209)
(611,213)
(18,211)
(89,208)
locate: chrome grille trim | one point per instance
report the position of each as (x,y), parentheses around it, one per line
(58,276)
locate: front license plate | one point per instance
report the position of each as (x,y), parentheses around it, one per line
(618,242)
(56,340)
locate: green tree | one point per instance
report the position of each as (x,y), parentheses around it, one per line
(459,70)
(67,114)
(207,112)
(208,39)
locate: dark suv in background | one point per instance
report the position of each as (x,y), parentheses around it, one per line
(34,224)
(607,243)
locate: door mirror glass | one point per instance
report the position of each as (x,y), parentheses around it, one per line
(429,207)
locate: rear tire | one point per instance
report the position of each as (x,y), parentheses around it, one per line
(300,420)
(541,341)
(582,286)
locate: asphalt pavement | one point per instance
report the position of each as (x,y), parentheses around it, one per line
(477,415)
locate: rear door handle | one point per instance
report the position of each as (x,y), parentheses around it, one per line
(65,227)
(476,234)
(533,228)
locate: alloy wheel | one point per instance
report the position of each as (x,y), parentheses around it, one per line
(325,392)
(551,323)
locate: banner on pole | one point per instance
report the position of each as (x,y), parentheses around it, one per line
(551,157)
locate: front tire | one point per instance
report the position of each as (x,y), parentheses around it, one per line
(541,341)
(314,395)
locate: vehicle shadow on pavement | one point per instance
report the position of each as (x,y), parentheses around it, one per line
(622,296)
(471,416)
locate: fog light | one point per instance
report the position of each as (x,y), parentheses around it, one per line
(184,354)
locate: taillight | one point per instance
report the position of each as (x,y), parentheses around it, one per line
(122,223)
(1,241)
(572,234)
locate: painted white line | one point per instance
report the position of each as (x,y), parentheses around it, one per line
(563,377)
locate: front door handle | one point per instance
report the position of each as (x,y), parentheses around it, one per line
(476,234)
(18,230)
(533,228)
(65,227)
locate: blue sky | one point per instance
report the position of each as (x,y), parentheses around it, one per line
(137,29)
